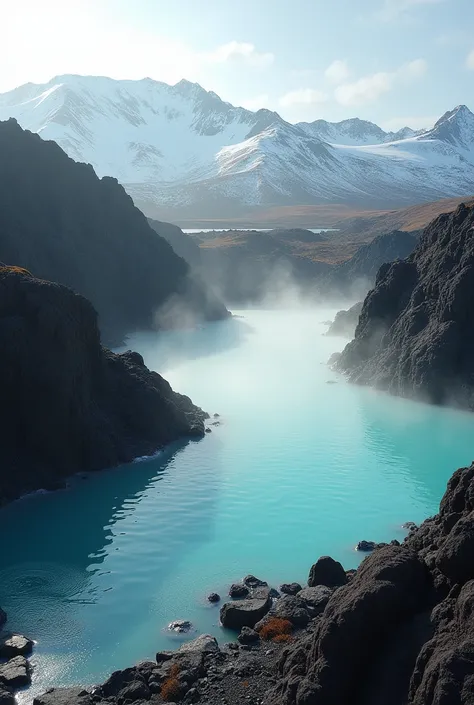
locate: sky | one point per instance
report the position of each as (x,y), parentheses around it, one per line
(394,62)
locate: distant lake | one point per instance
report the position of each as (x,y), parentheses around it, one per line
(194,231)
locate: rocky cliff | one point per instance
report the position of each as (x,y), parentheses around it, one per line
(400,632)
(69,404)
(356,276)
(63,223)
(415,332)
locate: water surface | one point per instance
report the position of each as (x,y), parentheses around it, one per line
(298,468)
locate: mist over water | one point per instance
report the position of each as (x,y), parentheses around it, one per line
(298,468)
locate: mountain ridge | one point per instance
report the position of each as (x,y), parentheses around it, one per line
(182,149)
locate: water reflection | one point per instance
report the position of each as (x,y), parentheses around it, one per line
(426,443)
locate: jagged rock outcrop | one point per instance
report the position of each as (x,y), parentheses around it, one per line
(415,333)
(345,322)
(355,276)
(64,224)
(71,405)
(401,630)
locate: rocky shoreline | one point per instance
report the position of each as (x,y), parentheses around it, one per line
(398,631)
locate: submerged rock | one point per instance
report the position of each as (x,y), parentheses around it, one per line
(3,617)
(15,645)
(213,597)
(180,626)
(327,571)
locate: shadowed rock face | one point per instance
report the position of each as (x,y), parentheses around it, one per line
(345,322)
(401,630)
(72,405)
(415,333)
(356,275)
(64,224)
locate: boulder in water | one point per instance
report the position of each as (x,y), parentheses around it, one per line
(327,571)
(15,645)
(244,613)
(15,673)
(238,591)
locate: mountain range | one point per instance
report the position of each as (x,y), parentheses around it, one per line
(182,150)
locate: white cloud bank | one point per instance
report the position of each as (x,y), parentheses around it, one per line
(337,72)
(303,96)
(369,88)
(470,60)
(241,52)
(396,9)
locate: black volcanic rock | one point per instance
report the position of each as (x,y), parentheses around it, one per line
(64,224)
(345,322)
(415,333)
(327,571)
(355,276)
(70,404)
(182,243)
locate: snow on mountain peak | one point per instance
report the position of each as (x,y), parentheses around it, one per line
(182,145)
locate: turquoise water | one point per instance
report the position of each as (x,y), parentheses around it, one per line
(297,469)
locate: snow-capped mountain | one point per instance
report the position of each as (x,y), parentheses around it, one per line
(354,132)
(181,147)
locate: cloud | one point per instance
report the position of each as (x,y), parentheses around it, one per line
(257,103)
(416,122)
(241,52)
(303,96)
(401,9)
(337,72)
(470,60)
(369,88)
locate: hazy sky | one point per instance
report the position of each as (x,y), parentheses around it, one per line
(395,62)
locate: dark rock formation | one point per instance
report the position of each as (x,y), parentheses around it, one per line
(315,598)
(327,571)
(401,631)
(245,613)
(180,626)
(252,582)
(15,645)
(366,546)
(345,322)
(293,608)
(7,696)
(237,591)
(290,588)
(64,696)
(73,405)
(414,336)
(15,673)
(3,617)
(355,276)
(214,597)
(248,636)
(64,224)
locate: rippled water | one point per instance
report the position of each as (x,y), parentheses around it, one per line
(297,469)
